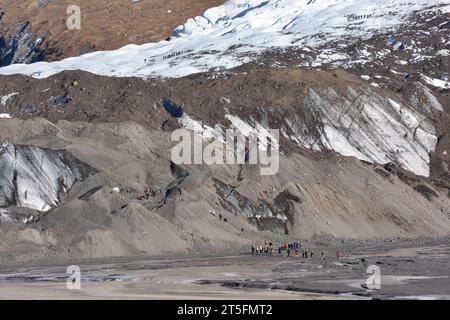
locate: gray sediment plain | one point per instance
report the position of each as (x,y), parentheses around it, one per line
(409,270)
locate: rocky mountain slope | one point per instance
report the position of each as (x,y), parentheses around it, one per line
(312,196)
(120,128)
(358,89)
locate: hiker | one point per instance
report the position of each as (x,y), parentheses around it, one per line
(322,256)
(253,250)
(220,216)
(338,254)
(312,253)
(289,252)
(279,249)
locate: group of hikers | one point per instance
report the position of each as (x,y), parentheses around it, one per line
(146,194)
(289,248)
(266,248)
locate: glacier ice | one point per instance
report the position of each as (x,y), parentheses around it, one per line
(34,177)
(229,35)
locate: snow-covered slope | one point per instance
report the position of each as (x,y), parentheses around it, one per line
(232,34)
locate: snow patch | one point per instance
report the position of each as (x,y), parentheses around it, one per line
(431,98)
(5,99)
(436,82)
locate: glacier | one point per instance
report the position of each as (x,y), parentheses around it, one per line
(34,178)
(237,32)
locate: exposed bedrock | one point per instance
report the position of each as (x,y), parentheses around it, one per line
(19,46)
(266,215)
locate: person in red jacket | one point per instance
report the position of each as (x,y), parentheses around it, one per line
(338,254)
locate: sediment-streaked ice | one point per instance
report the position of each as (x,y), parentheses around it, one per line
(32,177)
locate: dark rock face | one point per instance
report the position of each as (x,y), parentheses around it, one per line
(59,101)
(87,195)
(261,215)
(284,202)
(426,191)
(18,46)
(177,171)
(29,109)
(43,3)
(172,108)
